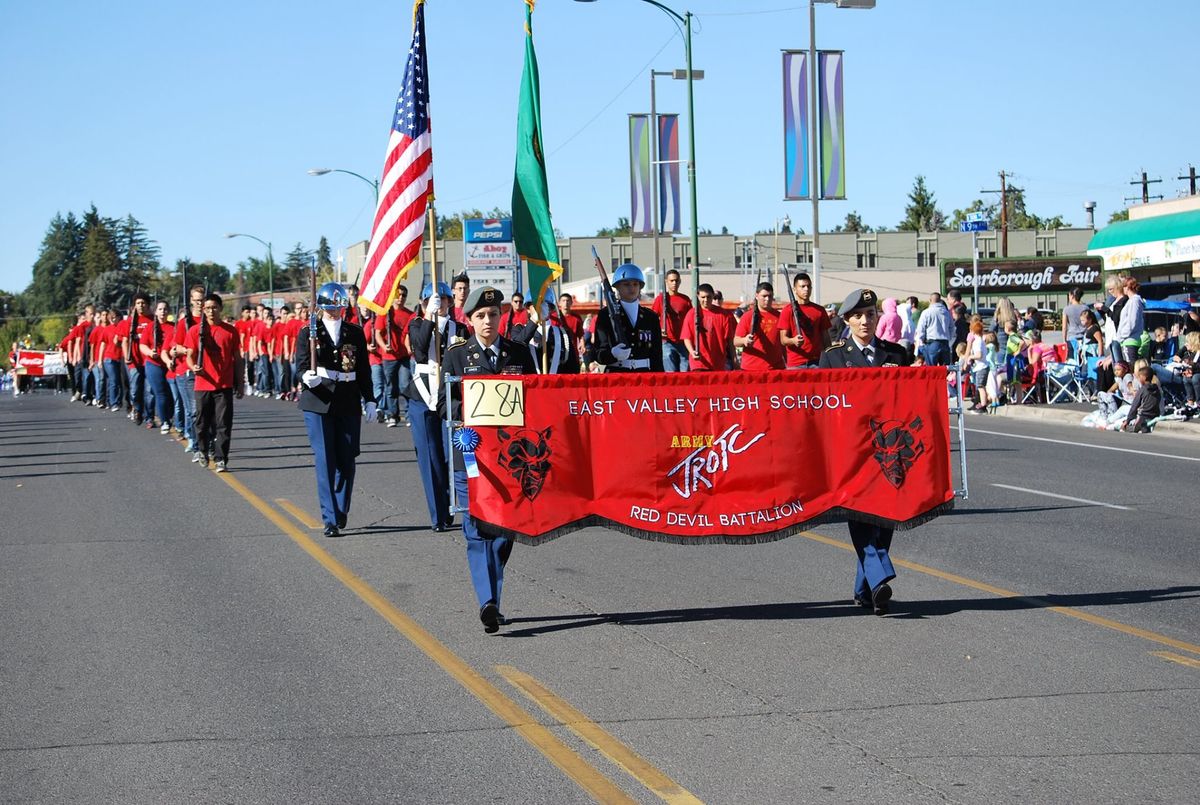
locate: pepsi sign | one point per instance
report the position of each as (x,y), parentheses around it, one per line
(487,230)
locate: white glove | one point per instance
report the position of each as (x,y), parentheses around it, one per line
(535,316)
(310,379)
(433,306)
(371,408)
(621,352)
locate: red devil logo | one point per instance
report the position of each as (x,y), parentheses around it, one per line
(896,448)
(526,455)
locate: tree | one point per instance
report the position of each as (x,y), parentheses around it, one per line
(56,272)
(1019,216)
(1119,215)
(112,289)
(992,211)
(296,267)
(921,214)
(99,254)
(621,230)
(853,223)
(139,254)
(324,258)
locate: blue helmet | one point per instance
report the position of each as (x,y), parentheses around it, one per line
(332,296)
(629,272)
(427,290)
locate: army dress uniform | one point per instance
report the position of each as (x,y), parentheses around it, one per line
(486,556)
(333,407)
(872,543)
(428,429)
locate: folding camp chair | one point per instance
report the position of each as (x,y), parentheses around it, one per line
(1062,378)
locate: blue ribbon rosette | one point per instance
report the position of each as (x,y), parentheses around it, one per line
(466,441)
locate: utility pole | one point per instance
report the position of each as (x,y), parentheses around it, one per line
(1003,191)
(1145,183)
(1190,179)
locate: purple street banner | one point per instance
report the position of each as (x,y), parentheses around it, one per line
(795,125)
(831,115)
(668,174)
(640,214)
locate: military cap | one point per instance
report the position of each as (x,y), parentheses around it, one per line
(484,296)
(862,298)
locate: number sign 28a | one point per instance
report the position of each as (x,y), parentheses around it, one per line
(490,401)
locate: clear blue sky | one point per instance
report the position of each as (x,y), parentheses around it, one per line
(201,118)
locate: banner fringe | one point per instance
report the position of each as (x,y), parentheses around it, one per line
(836,515)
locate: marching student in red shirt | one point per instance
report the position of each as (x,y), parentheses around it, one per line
(113,361)
(96,359)
(185,381)
(390,337)
(713,350)
(134,359)
(804,350)
(243,326)
(761,349)
(216,368)
(264,379)
(678,306)
(281,348)
(153,345)
(516,316)
(571,321)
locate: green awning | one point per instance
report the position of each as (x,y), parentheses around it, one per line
(1163,227)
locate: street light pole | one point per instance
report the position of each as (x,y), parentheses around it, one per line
(374,183)
(270,261)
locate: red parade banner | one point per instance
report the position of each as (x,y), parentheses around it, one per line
(723,457)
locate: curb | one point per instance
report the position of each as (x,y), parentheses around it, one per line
(1068,416)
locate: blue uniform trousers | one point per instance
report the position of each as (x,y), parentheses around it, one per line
(334,442)
(427,437)
(485,557)
(871,544)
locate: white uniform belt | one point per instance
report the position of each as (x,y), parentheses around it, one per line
(425,368)
(329,374)
(640,363)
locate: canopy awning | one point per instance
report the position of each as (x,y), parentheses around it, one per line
(1160,240)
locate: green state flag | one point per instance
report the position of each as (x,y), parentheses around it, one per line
(532,230)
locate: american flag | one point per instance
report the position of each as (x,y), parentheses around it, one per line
(407,183)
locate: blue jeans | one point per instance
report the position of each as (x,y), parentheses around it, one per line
(156,383)
(265,375)
(675,357)
(378,386)
(137,390)
(396,377)
(186,384)
(177,402)
(99,384)
(112,373)
(936,353)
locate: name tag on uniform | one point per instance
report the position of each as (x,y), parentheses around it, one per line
(492,401)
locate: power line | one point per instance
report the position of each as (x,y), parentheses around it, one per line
(1145,183)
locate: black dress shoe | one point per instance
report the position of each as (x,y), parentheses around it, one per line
(332,531)
(864,601)
(489,614)
(341,522)
(880,597)
(439,528)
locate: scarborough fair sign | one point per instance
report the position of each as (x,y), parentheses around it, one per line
(694,457)
(1032,275)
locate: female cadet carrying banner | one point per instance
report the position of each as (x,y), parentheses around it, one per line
(335,387)
(422,393)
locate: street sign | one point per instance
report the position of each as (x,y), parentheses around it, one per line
(973,226)
(977,216)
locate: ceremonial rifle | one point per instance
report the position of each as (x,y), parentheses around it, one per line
(666,301)
(755,317)
(133,321)
(621,329)
(795,306)
(157,330)
(202,334)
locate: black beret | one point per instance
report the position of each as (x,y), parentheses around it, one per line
(863,297)
(485,296)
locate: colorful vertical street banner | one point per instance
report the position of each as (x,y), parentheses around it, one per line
(796,158)
(668,174)
(831,115)
(640,214)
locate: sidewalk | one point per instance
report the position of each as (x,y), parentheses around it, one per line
(1072,413)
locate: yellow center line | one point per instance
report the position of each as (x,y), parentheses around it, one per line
(584,774)
(634,764)
(1071,612)
(1190,662)
(300,514)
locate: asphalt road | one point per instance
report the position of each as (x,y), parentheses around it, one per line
(173,635)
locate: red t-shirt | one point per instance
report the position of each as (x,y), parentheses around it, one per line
(112,343)
(713,344)
(134,357)
(394,340)
(676,313)
(814,323)
(767,351)
(180,365)
(243,327)
(220,350)
(257,332)
(572,323)
(165,340)
(513,319)
(280,333)
(94,341)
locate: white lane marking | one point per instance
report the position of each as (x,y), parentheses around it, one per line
(1063,497)
(1079,444)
